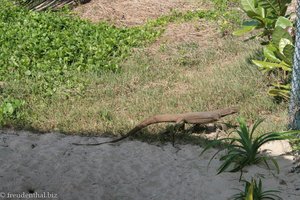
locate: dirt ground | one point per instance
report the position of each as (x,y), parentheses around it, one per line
(134,12)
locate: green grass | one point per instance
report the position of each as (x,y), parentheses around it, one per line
(78,77)
(51,48)
(150,84)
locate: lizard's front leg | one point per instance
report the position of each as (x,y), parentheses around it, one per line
(179,126)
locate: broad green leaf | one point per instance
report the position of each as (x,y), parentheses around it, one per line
(278,34)
(252,14)
(269,66)
(263,21)
(271,6)
(288,52)
(248,26)
(287,86)
(282,91)
(287,55)
(261,11)
(283,22)
(8,108)
(269,53)
(248,6)
(283,43)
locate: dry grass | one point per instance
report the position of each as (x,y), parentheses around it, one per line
(195,31)
(198,33)
(130,13)
(181,72)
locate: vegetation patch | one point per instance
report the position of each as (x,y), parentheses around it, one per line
(77,77)
(52,48)
(275,29)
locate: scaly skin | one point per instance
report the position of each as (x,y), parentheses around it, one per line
(190,118)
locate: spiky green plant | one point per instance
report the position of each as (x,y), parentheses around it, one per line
(254,191)
(244,149)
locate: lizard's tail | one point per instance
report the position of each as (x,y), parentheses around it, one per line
(151,120)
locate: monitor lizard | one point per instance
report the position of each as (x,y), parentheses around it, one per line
(190,118)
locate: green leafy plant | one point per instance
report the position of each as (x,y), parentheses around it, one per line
(49,49)
(278,59)
(243,150)
(52,50)
(254,191)
(277,32)
(279,52)
(264,15)
(10,109)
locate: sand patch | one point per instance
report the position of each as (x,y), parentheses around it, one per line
(130,170)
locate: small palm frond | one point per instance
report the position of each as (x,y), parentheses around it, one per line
(244,149)
(254,191)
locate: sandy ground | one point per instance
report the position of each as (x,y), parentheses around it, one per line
(33,163)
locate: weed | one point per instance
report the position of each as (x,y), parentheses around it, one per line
(10,109)
(105,115)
